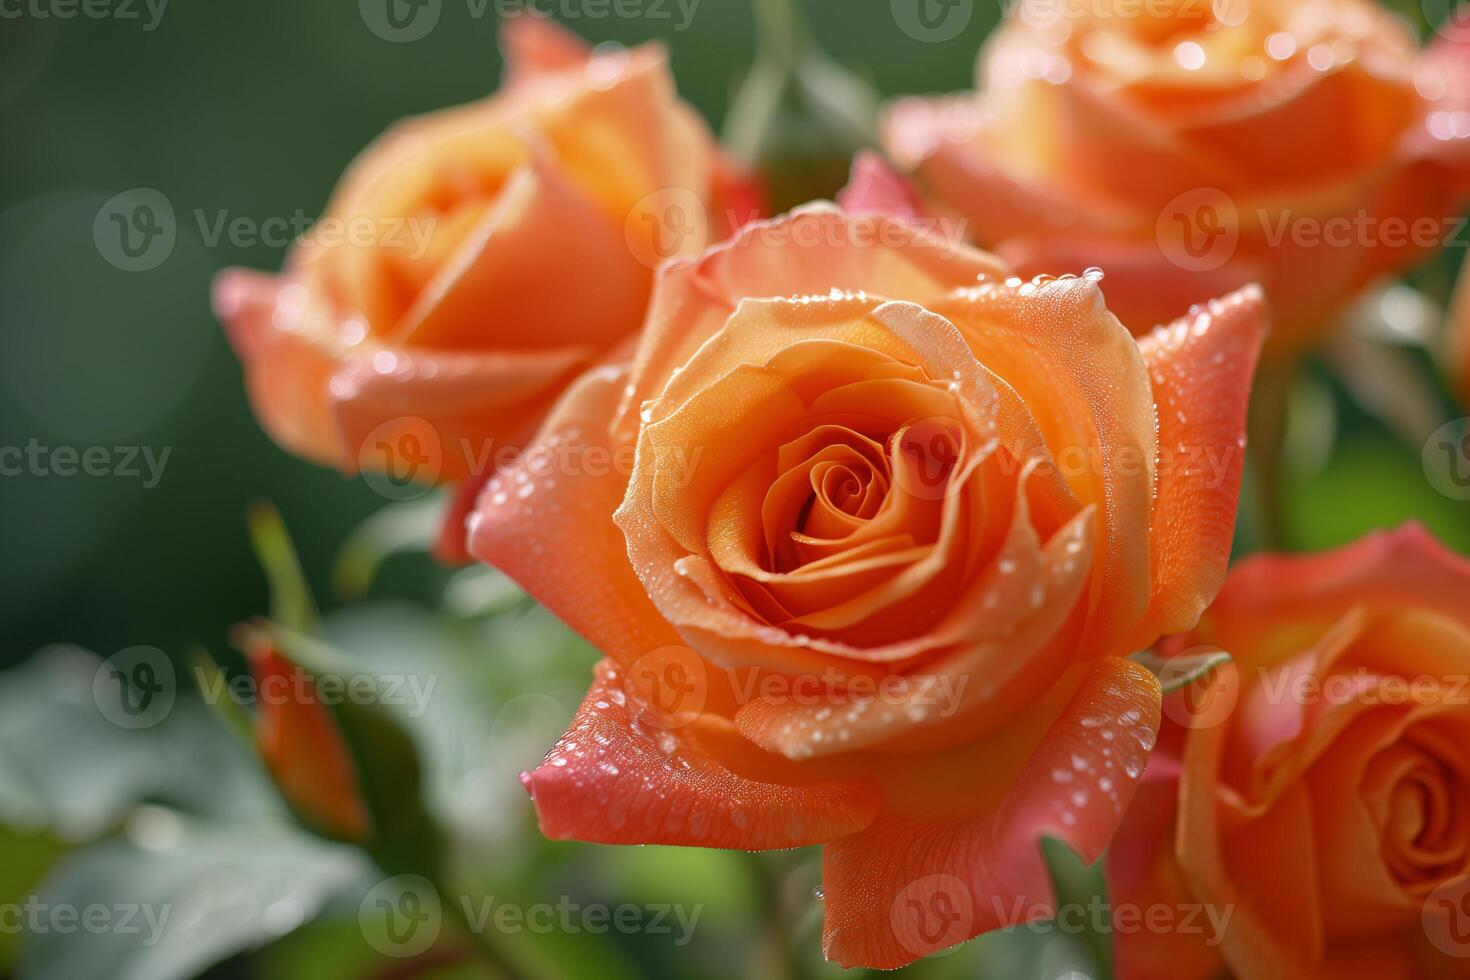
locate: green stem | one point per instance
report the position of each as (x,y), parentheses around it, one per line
(780,29)
(777,957)
(482,944)
(1270,399)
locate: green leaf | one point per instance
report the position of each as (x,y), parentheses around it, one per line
(482,591)
(1081,886)
(181,897)
(402,527)
(67,770)
(1182,669)
(291,602)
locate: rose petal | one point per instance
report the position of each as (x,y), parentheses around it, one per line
(1201,368)
(467,406)
(1081,375)
(500,283)
(287,368)
(532,45)
(615,778)
(984,870)
(579,566)
(874,188)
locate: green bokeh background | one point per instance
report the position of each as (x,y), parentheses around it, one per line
(253,109)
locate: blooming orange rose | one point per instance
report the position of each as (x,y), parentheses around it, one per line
(858,528)
(475,260)
(1189,147)
(1316,790)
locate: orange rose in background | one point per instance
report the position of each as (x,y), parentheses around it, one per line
(1190,147)
(1318,789)
(858,528)
(475,260)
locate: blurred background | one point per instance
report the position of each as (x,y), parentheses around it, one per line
(239,118)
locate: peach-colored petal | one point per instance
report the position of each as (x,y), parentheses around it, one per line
(1406,566)
(905,888)
(813,251)
(1083,378)
(466,406)
(617,778)
(501,291)
(579,568)
(1252,948)
(533,45)
(1142,874)
(874,188)
(1144,288)
(286,368)
(1201,368)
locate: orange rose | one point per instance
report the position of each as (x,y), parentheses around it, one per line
(858,528)
(1316,790)
(1302,144)
(475,260)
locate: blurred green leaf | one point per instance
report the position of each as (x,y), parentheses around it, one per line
(401,527)
(483,591)
(178,897)
(66,769)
